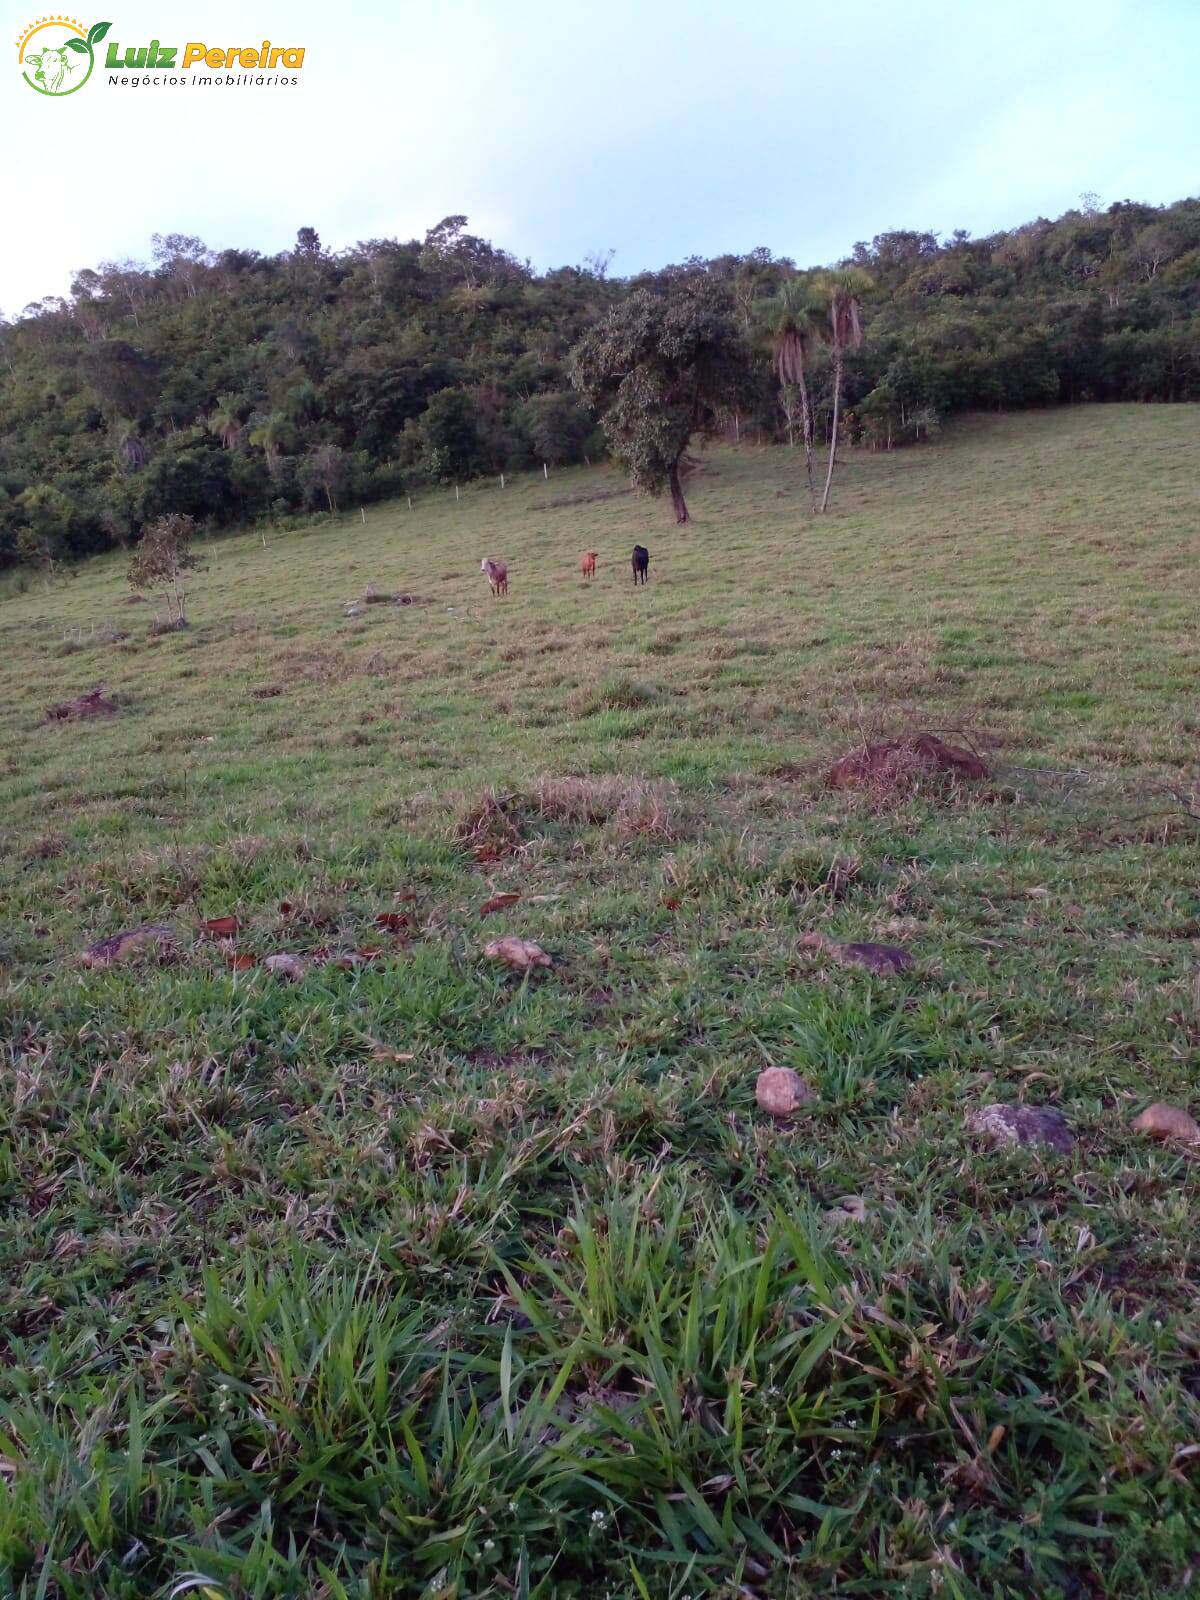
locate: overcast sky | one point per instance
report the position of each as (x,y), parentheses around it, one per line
(652,127)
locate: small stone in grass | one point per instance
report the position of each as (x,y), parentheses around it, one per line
(887,958)
(1029,1125)
(106,952)
(286,965)
(520,954)
(1161,1121)
(781,1091)
(875,957)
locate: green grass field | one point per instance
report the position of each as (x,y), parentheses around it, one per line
(417,1279)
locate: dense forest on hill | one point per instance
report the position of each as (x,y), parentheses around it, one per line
(232,385)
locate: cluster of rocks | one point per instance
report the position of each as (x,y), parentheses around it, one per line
(782,1092)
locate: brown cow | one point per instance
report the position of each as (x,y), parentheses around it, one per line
(497,574)
(587,564)
(641,563)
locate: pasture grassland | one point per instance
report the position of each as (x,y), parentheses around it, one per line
(416,1279)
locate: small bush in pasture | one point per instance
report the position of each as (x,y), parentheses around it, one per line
(162,558)
(614,693)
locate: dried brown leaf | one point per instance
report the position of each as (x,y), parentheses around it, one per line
(498,902)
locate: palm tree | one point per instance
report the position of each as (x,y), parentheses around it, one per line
(845,288)
(130,448)
(790,324)
(225,422)
(271,434)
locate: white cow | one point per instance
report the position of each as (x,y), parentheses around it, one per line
(496,573)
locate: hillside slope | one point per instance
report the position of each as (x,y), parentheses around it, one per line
(512,1283)
(233,385)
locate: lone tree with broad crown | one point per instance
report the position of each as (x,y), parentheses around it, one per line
(664,366)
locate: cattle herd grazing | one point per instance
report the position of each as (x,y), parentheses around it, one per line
(496,572)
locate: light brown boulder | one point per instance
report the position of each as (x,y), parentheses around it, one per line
(1161,1121)
(520,954)
(781,1091)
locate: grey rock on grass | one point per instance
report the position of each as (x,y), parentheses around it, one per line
(1004,1126)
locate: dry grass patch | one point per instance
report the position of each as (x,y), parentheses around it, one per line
(495,825)
(331,666)
(48,847)
(633,805)
(487,827)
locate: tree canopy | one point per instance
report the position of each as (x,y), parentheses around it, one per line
(662,367)
(232,385)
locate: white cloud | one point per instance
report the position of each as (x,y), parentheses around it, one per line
(660,130)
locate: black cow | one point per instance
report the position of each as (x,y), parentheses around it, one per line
(641,563)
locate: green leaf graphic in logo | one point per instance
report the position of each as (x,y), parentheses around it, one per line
(53,70)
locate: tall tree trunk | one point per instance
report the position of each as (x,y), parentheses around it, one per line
(677,500)
(807,424)
(833,431)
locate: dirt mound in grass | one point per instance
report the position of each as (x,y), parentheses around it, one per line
(902,765)
(95,704)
